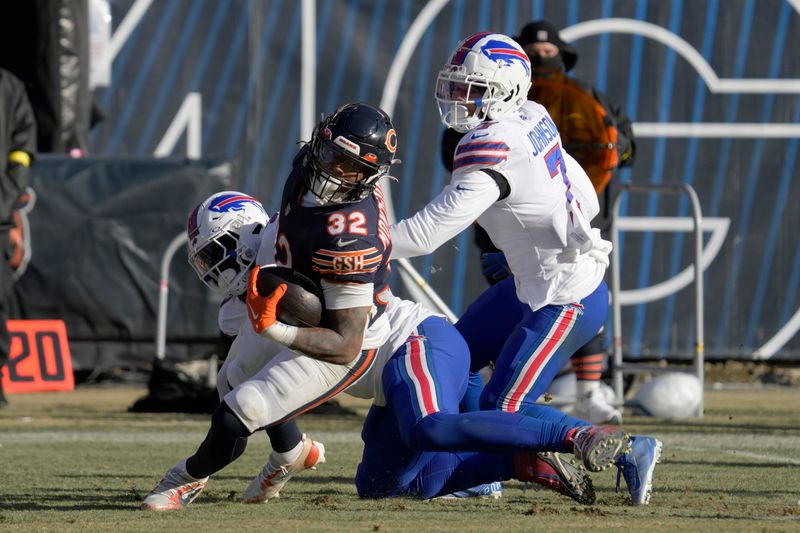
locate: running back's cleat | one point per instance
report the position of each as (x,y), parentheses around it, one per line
(551,470)
(493,490)
(595,408)
(176,490)
(269,482)
(599,446)
(637,468)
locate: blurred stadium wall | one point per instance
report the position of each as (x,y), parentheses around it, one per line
(713,87)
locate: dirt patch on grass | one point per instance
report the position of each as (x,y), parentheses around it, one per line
(751,372)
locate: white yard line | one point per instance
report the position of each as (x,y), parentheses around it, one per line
(735,445)
(134,437)
(751,455)
(729,444)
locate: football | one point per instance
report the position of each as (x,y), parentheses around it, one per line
(301,305)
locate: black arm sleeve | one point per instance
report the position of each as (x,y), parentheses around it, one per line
(500,180)
(23,133)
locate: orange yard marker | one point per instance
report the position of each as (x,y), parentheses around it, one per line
(40,359)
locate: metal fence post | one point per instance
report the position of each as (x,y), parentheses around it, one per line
(163,293)
(620,367)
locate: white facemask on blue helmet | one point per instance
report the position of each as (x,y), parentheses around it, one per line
(486,78)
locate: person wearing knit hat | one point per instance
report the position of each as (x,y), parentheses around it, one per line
(603,139)
(545,47)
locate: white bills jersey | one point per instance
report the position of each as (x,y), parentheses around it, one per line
(533,199)
(249,351)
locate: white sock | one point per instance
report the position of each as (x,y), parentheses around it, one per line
(278,459)
(583,387)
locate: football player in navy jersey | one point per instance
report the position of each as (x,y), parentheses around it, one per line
(333,229)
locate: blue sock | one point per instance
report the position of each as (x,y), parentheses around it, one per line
(554,416)
(488,431)
(549,414)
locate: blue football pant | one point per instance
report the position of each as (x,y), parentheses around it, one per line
(528,347)
(420,445)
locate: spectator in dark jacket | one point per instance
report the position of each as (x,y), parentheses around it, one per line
(17,146)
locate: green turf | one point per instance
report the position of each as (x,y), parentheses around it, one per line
(79,462)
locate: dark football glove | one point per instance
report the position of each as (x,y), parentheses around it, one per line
(494,266)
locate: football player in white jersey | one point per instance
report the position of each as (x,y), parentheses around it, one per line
(536,203)
(228,233)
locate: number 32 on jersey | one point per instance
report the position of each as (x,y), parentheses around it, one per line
(353,223)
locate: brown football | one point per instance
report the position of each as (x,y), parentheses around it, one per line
(301,305)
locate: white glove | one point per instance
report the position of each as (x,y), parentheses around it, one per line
(594,246)
(600,249)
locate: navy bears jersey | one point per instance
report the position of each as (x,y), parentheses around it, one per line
(344,243)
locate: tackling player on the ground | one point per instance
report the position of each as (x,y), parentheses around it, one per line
(229,232)
(536,203)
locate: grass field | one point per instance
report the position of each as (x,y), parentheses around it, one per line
(80,462)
